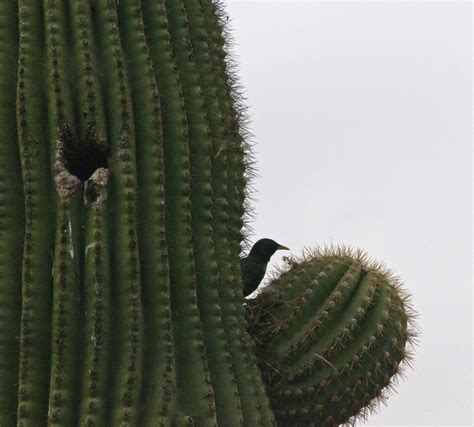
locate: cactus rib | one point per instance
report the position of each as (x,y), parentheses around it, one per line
(12,218)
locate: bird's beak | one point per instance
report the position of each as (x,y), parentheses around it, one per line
(283,248)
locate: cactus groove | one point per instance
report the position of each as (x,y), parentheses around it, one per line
(124,184)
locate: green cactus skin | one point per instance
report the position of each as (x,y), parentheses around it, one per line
(332,331)
(122,193)
(124,188)
(12,217)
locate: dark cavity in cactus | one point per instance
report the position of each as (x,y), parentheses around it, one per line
(123,183)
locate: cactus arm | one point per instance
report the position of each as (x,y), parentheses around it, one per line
(11,216)
(97,303)
(191,366)
(36,271)
(126,370)
(332,359)
(158,347)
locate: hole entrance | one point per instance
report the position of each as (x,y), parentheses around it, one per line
(86,160)
(83,158)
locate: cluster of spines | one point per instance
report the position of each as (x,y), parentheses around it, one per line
(331,342)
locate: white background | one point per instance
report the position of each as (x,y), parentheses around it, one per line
(362,119)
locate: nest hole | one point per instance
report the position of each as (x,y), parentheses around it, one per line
(83,161)
(78,162)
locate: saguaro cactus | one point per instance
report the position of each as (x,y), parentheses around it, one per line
(123,181)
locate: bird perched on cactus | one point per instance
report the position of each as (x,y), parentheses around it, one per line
(255,264)
(124,173)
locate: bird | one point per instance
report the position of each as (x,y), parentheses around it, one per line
(255,264)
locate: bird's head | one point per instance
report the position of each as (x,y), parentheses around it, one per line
(265,248)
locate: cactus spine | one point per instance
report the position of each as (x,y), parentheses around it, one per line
(123,183)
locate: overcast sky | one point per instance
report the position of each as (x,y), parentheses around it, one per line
(362,119)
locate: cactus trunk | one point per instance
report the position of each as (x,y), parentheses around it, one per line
(122,196)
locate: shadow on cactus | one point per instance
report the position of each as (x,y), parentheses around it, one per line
(333,331)
(124,185)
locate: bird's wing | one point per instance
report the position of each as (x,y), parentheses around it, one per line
(252,274)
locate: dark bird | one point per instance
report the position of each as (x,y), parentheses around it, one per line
(254,265)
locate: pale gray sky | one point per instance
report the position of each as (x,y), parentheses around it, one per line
(362,118)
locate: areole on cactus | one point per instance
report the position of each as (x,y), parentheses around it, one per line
(123,180)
